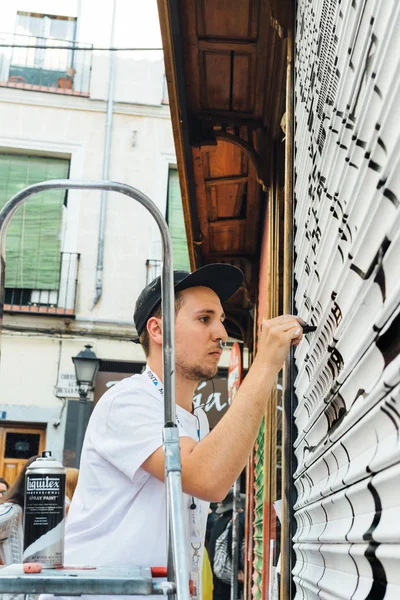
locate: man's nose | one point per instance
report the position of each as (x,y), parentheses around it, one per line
(221,333)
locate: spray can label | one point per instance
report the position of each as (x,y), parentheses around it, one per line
(44,520)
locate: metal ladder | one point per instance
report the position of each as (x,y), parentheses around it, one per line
(120,580)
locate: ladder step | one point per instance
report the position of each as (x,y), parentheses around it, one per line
(118,580)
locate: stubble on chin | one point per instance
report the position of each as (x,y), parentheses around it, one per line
(195,373)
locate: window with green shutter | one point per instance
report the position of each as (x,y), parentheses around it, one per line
(176,223)
(34,235)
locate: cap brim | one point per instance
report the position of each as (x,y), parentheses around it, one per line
(223,279)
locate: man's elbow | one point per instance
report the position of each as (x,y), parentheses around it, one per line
(218,495)
(211,491)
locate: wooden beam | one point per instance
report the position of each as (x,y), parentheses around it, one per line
(229,118)
(226,180)
(230,46)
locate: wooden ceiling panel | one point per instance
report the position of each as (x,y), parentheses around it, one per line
(242,82)
(227,72)
(224,160)
(227,237)
(215,75)
(226,201)
(227,18)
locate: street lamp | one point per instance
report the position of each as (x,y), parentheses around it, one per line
(86,366)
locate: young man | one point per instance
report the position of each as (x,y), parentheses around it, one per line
(117,515)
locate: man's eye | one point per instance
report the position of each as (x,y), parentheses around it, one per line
(204,319)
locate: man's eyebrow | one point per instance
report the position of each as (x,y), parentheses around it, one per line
(209,311)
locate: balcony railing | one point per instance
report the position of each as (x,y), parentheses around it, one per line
(45,65)
(57,303)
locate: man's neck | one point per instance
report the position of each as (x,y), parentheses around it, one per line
(184,387)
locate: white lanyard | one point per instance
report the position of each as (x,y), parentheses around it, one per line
(160,389)
(196,538)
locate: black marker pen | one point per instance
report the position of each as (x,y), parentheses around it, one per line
(308,328)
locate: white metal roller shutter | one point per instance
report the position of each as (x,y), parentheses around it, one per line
(347,276)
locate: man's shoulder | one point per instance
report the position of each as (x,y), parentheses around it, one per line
(130,391)
(129,386)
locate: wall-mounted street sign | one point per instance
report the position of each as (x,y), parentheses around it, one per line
(67,386)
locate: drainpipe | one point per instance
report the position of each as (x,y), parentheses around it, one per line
(106,166)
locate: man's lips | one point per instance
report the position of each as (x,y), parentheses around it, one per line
(217,351)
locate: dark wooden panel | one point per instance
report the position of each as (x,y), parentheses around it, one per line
(227,236)
(227,72)
(215,76)
(225,201)
(243,73)
(227,18)
(224,160)
(216,91)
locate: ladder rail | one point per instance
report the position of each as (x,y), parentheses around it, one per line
(176,533)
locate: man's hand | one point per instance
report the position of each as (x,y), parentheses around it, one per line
(277,336)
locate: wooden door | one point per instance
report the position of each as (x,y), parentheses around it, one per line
(17,444)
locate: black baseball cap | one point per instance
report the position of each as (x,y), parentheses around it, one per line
(223,279)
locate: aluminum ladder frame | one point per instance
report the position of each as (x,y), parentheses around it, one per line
(135,580)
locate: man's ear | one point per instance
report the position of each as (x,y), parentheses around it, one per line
(154,330)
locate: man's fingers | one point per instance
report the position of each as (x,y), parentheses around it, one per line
(295,334)
(285,325)
(283,319)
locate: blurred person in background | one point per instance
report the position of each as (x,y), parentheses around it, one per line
(224,512)
(11,513)
(3,486)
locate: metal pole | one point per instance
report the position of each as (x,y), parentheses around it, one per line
(172,455)
(235,540)
(80,429)
(106,166)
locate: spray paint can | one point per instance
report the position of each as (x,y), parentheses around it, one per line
(44,512)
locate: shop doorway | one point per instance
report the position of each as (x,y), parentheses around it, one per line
(18,442)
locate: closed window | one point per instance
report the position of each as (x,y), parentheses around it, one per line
(33,257)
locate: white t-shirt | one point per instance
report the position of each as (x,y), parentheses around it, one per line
(118,513)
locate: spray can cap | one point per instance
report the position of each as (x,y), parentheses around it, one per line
(46,454)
